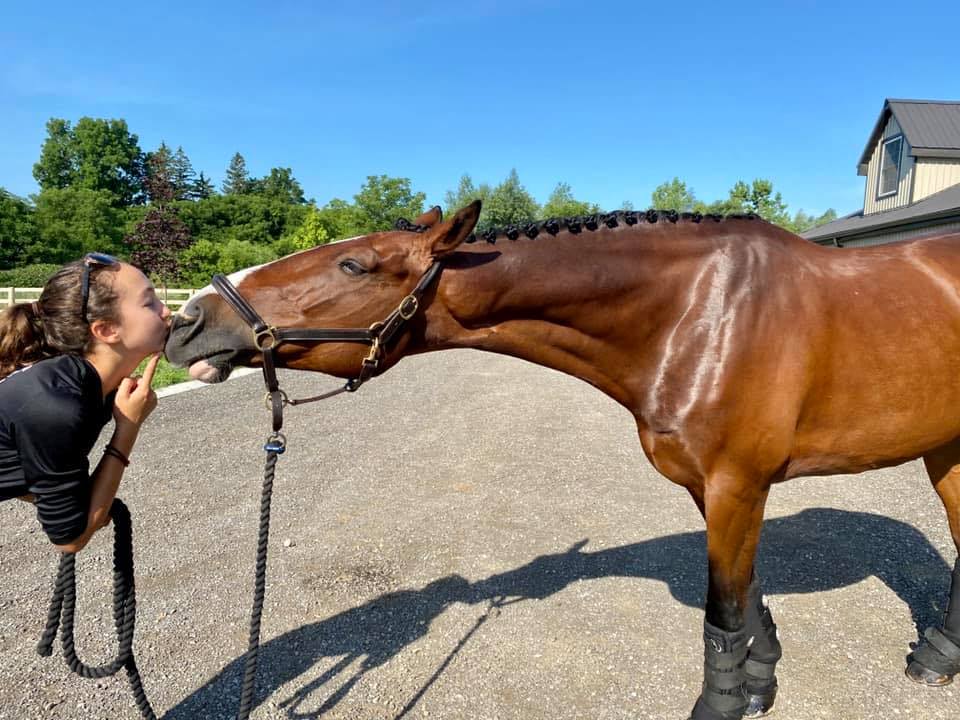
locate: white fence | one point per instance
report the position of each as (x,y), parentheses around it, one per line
(173,297)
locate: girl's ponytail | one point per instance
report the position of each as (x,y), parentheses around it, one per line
(22,340)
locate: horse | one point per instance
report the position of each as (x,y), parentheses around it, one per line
(746,355)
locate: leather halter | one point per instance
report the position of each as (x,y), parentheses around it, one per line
(268,337)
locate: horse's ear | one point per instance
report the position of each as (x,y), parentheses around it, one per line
(431,217)
(445,238)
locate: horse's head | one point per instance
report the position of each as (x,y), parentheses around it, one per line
(349,284)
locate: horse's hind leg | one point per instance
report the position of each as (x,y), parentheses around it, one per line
(760,679)
(937,659)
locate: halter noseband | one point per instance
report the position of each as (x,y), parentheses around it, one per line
(268,337)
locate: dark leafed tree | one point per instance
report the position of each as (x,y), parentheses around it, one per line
(159,238)
(237,181)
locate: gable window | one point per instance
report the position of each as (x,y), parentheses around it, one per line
(890,166)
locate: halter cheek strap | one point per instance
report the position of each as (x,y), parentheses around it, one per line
(268,337)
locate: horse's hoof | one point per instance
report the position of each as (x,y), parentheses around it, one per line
(925,676)
(759,705)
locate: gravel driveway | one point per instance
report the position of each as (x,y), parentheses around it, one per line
(468,537)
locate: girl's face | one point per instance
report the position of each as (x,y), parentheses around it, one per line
(144,320)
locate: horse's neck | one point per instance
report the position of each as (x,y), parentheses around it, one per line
(583,308)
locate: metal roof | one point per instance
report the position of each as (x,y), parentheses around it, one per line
(944,203)
(932,128)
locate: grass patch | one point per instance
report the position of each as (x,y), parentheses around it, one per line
(166,374)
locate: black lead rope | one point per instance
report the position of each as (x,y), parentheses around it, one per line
(275,446)
(64,602)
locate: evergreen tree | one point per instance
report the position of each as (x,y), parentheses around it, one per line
(202,188)
(237,181)
(182,175)
(158,181)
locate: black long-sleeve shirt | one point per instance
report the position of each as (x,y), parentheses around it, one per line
(51,414)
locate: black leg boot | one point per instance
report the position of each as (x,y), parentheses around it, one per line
(760,680)
(724,655)
(937,659)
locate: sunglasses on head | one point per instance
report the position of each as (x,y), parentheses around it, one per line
(91,260)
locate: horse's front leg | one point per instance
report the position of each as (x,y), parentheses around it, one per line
(732,504)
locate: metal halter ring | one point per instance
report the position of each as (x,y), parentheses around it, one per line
(260,337)
(268,401)
(411,302)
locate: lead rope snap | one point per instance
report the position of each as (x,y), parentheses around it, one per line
(276,443)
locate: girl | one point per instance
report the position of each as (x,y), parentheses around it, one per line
(65,368)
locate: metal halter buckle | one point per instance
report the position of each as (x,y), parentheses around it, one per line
(411,302)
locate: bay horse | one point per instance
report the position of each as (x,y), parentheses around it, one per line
(747,356)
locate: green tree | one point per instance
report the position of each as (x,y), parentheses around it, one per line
(758,197)
(18,230)
(159,184)
(95,155)
(202,188)
(205,258)
(341,219)
(279,185)
(57,167)
(73,221)
(511,204)
(252,218)
(182,175)
(673,195)
(310,233)
(802,221)
(383,199)
(465,194)
(237,181)
(561,203)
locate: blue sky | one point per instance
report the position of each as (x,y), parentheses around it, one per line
(610,97)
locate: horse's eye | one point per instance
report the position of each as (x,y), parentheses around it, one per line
(352,267)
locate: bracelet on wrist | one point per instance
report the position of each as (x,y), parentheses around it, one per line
(113,452)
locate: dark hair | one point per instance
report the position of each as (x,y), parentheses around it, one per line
(52,325)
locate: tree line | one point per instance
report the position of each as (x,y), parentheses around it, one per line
(99,190)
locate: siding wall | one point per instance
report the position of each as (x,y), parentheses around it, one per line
(870,202)
(934,175)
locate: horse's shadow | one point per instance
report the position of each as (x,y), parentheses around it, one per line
(812,551)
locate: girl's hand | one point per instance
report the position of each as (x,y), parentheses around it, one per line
(135,398)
